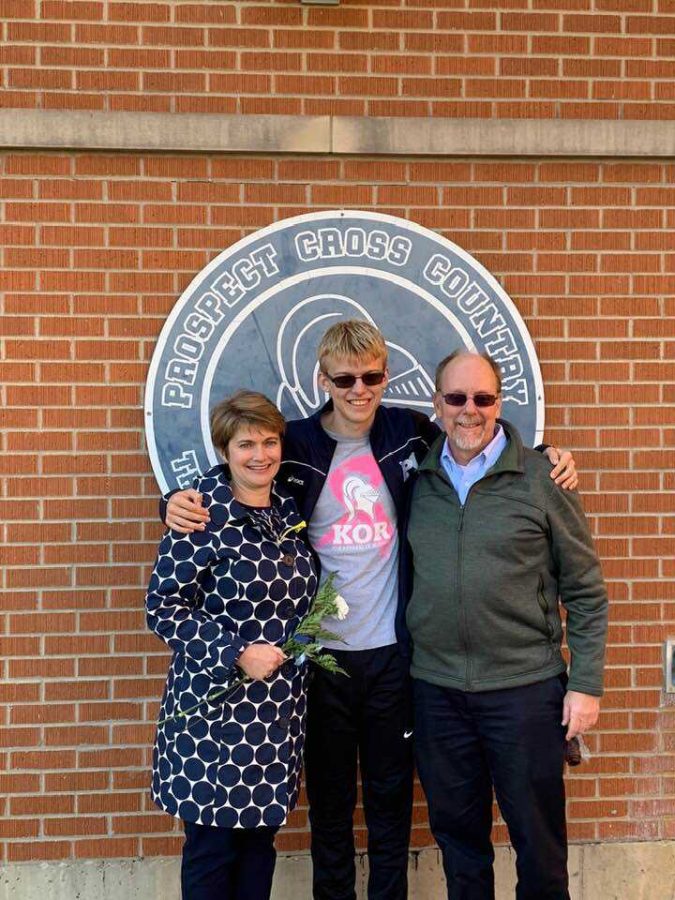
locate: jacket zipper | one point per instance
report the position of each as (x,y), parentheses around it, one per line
(462,611)
(460,601)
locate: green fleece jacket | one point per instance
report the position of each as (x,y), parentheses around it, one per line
(488,576)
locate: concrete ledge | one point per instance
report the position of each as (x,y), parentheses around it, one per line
(503,137)
(191,133)
(627,871)
(162,132)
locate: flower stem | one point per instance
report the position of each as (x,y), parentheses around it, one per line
(228,691)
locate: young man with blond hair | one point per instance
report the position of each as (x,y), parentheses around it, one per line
(348,467)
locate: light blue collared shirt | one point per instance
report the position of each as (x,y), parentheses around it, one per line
(463,478)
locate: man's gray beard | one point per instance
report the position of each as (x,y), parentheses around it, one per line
(466,442)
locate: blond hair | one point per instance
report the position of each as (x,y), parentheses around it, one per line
(245,409)
(352,339)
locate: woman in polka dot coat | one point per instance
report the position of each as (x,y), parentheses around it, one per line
(225,599)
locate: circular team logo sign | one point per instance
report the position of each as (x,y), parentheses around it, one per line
(254,317)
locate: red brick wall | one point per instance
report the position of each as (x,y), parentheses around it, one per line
(96,250)
(472,58)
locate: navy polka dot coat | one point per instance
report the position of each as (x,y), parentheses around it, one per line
(232,763)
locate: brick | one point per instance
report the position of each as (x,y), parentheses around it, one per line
(397,107)
(37,577)
(361,40)
(382,87)
(19,828)
(650,24)
(286,16)
(75,826)
(108,803)
(76,781)
(139,824)
(108,847)
(139,12)
(41,805)
(66,464)
(19,783)
(76,735)
(199,12)
(30,713)
(102,712)
(43,759)
(40,78)
(172,846)
(141,103)
(123,665)
(356,62)
(34,850)
(530,66)
(128,780)
(470,21)
(109,758)
(338,195)
(76,690)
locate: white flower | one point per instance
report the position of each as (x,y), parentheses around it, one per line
(341,608)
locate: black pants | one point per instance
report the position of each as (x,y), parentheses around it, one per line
(365,716)
(466,743)
(227,863)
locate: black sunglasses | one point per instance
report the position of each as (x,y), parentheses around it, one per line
(457,398)
(370,379)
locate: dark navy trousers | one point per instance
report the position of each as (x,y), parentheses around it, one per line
(227,863)
(363,721)
(512,740)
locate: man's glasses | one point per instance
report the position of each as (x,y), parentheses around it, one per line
(370,379)
(457,398)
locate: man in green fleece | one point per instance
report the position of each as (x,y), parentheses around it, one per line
(495,545)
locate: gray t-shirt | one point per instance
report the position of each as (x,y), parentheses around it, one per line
(353,529)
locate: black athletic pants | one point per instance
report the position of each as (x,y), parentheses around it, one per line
(366,717)
(227,863)
(511,739)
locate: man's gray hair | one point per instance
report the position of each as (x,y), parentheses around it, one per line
(440,368)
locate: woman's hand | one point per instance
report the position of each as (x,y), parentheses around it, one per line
(564,471)
(185,513)
(259,661)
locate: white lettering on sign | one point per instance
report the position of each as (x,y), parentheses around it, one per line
(332,243)
(186,468)
(245,275)
(487,320)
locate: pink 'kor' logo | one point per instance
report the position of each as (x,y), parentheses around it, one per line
(356,485)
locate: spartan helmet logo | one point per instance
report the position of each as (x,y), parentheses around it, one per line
(359,496)
(297,340)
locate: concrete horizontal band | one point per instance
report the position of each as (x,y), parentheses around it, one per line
(626,870)
(386,136)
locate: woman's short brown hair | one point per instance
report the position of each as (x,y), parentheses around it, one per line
(244,409)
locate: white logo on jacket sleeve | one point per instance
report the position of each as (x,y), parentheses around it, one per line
(408,465)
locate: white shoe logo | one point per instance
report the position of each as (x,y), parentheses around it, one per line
(407,734)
